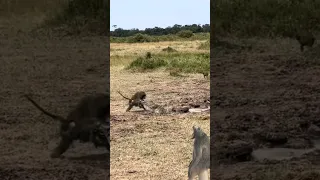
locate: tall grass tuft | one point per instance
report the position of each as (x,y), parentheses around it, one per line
(183,62)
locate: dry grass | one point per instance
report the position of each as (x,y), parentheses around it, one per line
(124,53)
(147,146)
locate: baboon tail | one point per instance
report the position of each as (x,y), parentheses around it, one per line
(123,95)
(61,119)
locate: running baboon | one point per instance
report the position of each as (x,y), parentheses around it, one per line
(305,39)
(136,100)
(88,121)
(200,162)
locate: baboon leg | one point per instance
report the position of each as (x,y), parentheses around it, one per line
(203,175)
(107,146)
(191,173)
(98,143)
(301,48)
(64,144)
(142,106)
(98,140)
(129,108)
(192,176)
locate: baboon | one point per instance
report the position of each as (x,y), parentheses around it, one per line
(136,100)
(205,74)
(200,162)
(305,39)
(88,121)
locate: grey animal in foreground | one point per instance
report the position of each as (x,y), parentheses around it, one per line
(305,39)
(136,100)
(89,121)
(201,155)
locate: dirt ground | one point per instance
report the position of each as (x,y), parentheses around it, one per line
(56,72)
(150,146)
(265,93)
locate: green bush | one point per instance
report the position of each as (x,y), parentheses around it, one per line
(190,63)
(182,62)
(142,63)
(185,34)
(140,38)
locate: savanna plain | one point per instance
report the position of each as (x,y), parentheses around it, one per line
(265,92)
(144,144)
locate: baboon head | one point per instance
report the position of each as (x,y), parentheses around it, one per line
(143,96)
(197,132)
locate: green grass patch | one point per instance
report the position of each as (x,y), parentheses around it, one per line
(181,62)
(140,38)
(143,63)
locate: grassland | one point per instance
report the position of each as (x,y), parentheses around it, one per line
(148,146)
(263,85)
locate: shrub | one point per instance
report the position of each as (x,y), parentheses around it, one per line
(185,34)
(139,38)
(142,63)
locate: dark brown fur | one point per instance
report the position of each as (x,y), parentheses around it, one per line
(305,39)
(82,122)
(136,100)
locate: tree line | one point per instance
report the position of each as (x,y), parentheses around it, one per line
(158,31)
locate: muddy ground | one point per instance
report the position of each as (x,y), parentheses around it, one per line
(265,94)
(56,72)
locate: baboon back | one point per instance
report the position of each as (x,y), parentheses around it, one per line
(97,106)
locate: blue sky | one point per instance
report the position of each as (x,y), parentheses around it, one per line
(141,14)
